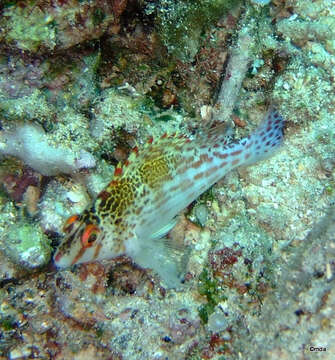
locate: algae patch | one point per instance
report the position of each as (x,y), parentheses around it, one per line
(25,244)
(30,31)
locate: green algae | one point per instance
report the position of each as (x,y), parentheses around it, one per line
(30,28)
(27,246)
(7,323)
(210,288)
(24,243)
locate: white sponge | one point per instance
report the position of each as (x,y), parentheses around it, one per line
(30,144)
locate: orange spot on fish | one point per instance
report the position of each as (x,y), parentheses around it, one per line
(237,152)
(97,251)
(113,183)
(238,121)
(69,223)
(199,176)
(104,195)
(118,171)
(212,170)
(197,164)
(220,156)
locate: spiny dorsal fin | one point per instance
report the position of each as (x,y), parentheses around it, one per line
(118,170)
(150,147)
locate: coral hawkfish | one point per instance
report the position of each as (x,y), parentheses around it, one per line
(141,202)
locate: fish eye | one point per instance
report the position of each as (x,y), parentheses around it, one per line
(69,223)
(90,235)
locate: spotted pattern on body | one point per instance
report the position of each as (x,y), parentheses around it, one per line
(153,185)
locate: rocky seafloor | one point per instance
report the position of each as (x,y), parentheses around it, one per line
(83,82)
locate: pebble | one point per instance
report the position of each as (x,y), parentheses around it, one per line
(31,198)
(201,213)
(19,353)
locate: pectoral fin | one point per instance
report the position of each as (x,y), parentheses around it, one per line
(160,254)
(165,229)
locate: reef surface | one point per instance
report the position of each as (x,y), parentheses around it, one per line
(82,82)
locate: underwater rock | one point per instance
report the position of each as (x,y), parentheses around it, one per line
(180,24)
(21,77)
(47,26)
(31,106)
(27,246)
(306,88)
(59,201)
(201,214)
(113,112)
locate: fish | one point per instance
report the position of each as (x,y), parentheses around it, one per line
(141,203)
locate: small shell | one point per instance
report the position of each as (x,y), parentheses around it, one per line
(201,213)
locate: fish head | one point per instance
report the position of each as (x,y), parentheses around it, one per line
(82,242)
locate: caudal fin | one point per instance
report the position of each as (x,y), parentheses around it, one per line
(267,138)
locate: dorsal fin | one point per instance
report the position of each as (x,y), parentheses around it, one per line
(151,147)
(118,170)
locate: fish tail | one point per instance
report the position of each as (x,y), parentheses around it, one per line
(266,139)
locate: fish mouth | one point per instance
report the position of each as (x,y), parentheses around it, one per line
(57,260)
